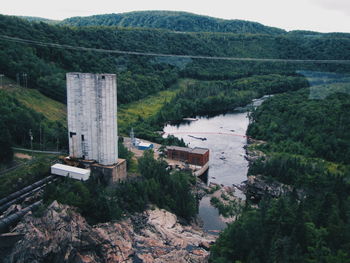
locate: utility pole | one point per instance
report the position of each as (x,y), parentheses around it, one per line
(25,82)
(40,138)
(58,143)
(18,79)
(31,139)
(1,76)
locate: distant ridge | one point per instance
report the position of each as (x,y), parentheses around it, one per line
(175,21)
(39,19)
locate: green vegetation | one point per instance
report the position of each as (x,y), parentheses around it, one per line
(142,81)
(33,99)
(208,97)
(139,77)
(40,19)
(295,170)
(227,209)
(193,97)
(311,127)
(16,120)
(171,191)
(29,172)
(307,148)
(176,21)
(130,114)
(306,129)
(124,153)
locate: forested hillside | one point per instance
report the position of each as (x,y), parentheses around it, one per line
(218,86)
(174,21)
(306,128)
(307,149)
(40,19)
(315,127)
(140,76)
(17,121)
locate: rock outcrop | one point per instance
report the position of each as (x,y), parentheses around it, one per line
(62,235)
(256,187)
(252,153)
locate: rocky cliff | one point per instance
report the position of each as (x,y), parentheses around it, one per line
(62,235)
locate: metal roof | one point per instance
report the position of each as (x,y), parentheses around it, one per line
(145,144)
(196,150)
(178,148)
(199,150)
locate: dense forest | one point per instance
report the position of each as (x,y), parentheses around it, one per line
(315,127)
(209,97)
(198,97)
(307,149)
(141,76)
(175,21)
(305,128)
(158,186)
(217,85)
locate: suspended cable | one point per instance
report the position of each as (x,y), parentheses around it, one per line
(135,53)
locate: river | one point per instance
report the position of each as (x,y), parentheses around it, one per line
(225,137)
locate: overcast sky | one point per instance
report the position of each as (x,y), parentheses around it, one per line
(316,15)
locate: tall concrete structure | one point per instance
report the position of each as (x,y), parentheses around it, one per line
(92,117)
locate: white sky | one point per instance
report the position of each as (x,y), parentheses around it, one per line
(316,15)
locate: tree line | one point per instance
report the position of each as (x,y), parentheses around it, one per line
(159,186)
(18,123)
(307,149)
(141,76)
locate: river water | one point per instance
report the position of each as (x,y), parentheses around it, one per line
(225,137)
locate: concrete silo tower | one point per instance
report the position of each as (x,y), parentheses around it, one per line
(92,117)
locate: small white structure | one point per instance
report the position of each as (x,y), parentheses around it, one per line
(70,171)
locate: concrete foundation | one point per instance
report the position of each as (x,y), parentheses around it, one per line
(109,174)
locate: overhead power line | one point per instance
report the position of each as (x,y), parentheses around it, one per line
(136,53)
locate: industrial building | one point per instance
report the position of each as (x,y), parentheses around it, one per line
(92,117)
(139,144)
(110,174)
(195,156)
(92,126)
(144,146)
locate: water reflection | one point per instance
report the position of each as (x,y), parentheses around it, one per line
(225,137)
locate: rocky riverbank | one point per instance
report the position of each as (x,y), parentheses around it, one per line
(258,186)
(226,201)
(63,235)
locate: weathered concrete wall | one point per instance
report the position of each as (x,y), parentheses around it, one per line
(109,174)
(92,117)
(121,174)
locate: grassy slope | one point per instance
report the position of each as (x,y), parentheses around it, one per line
(29,172)
(148,107)
(51,109)
(127,113)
